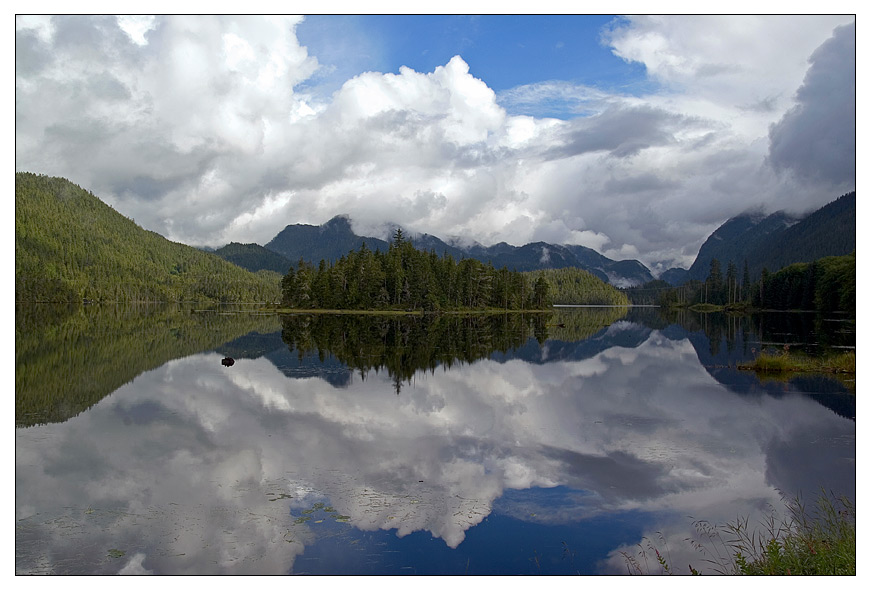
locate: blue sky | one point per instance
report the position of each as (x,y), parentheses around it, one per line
(636,136)
(503,50)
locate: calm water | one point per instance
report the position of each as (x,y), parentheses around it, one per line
(335,445)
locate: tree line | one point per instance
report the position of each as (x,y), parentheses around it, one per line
(826,284)
(405,278)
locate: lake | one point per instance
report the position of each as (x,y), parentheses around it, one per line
(498,445)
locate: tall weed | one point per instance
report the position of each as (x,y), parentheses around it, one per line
(815,541)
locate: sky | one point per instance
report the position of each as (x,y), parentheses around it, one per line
(634,136)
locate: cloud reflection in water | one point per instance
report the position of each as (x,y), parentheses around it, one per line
(205,469)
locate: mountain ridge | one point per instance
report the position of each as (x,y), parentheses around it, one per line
(306,241)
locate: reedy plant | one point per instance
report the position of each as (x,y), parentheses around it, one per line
(804,542)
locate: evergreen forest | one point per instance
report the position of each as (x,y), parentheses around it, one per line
(405,278)
(826,284)
(70,247)
(574,286)
(254,257)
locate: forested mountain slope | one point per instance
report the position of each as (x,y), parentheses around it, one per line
(254,257)
(70,246)
(830,231)
(775,241)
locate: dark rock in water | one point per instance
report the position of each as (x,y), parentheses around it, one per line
(228,362)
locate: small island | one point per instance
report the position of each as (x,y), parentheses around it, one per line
(407,280)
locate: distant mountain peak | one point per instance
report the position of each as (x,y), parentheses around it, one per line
(339,222)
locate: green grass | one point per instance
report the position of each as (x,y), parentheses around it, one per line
(706,307)
(843,362)
(820,541)
(387,312)
(403,312)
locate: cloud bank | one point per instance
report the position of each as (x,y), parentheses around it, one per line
(200,128)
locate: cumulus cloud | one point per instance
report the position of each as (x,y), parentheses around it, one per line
(202,128)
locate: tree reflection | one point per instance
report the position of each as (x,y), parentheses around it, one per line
(404,345)
(735,335)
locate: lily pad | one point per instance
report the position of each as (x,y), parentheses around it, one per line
(116,553)
(279,497)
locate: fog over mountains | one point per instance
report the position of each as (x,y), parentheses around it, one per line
(769,241)
(336,238)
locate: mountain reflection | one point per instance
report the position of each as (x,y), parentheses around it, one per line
(197,468)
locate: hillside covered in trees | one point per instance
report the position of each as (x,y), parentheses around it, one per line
(775,241)
(254,257)
(70,246)
(826,284)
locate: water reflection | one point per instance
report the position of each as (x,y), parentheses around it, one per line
(193,467)
(69,358)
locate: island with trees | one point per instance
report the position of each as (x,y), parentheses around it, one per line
(410,280)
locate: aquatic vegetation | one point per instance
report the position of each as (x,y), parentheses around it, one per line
(787,361)
(820,541)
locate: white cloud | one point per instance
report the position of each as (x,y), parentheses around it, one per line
(136,26)
(201,129)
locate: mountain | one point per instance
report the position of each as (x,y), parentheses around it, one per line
(70,246)
(329,241)
(254,257)
(675,276)
(336,238)
(739,238)
(829,231)
(775,241)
